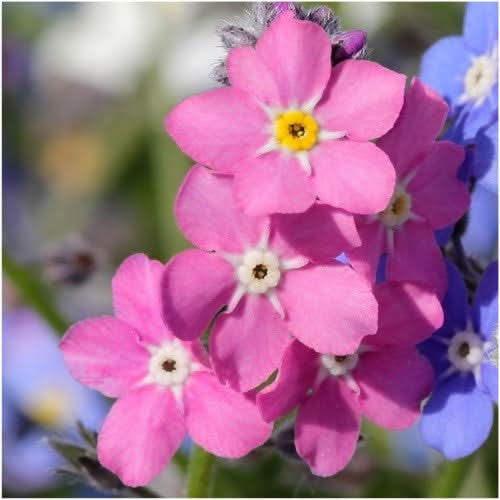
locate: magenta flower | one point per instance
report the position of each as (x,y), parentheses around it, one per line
(291,128)
(428,196)
(276,275)
(165,387)
(385,380)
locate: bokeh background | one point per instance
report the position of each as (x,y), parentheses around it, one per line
(89,177)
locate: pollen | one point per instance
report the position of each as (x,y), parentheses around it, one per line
(296,130)
(397,211)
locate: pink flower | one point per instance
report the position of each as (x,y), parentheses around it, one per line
(385,380)
(292,128)
(428,196)
(276,275)
(165,387)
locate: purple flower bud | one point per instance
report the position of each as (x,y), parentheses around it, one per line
(347,45)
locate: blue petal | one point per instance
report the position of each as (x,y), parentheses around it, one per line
(486,160)
(455,300)
(444,66)
(458,417)
(485,309)
(478,117)
(444,235)
(480,239)
(489,379)
(481,26)
(436,352)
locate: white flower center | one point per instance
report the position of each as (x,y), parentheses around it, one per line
(259,271)
(398,210)
(480,77)
(466,351)
(170,364)
(339,365)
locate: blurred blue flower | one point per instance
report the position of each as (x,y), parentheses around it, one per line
(458,416)
(39,398)
(463,69)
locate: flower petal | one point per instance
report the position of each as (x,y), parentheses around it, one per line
(105,354)
(393,383)
(329,308)
(137,297)
(437,194)
(208,216)
(420,122)
(362,98)
(247,345)
(327,428)
(455,301)
(417,257)
(196,285)
(365,258)
(140,435)
(408,314)
(298,55)
(224,422)
(458,417)
(272,183)
(320,234)
(218,128)
(485,310)
(296,375)
(489,379)
(481,26)
(355,176)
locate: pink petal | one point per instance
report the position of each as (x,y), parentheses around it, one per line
(208,216)
(365,258)
(249,73)
(417,257)
(320,234)
(420,122)
(437,193)
(196,285)
(393,383)
(362,98)
(141,434)
(247,345)
(224,422)
(296,375)
(272,183)
(357,177)
(218,128)
(137,297)
(327,428)
(408,314)
(329,308)
(105,354)
(298,55)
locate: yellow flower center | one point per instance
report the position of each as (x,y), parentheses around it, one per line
(398,209)
(480,77)
(296,130)
(50,408)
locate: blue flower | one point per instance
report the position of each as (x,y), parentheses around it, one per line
(39,398)
(463,69)
(458,416)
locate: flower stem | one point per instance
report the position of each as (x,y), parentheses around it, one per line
(200,473)
(448,482)
(34,293)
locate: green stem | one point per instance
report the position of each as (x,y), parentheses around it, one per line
(450,478)
(200,473)
(34,293)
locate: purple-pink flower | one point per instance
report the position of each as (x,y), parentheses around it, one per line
(291,128)
(428,196)
(276,275)
(385,380)
(165,387)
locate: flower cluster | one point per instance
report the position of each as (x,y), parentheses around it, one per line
(313,177)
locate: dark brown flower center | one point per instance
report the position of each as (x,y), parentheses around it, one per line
(399,206)
(464,350)
(340,359)
(169,365)
(296,130)
(260,271)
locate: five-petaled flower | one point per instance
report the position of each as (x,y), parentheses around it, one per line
(458,417)
(165,387)
(385,380)
(291,128)
(276,275)
(428,196)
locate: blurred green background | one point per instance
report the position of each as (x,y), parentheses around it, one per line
(85,90)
